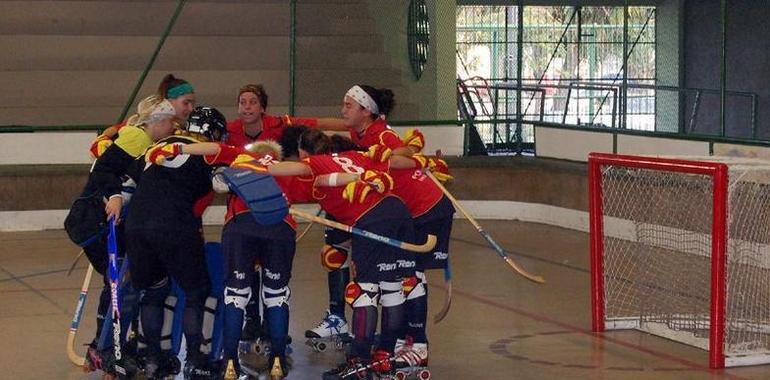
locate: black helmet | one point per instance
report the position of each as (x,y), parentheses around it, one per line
(208,122)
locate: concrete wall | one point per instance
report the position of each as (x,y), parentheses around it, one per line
(501,187)
(72,147)
(76,62)
(434,92)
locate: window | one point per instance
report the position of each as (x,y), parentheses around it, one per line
(571,66)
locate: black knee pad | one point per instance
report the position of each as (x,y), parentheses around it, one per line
(156,295)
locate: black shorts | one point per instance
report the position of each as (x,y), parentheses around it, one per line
(333,236)
(244,241)
(437,221)
(154,254)
(375,261)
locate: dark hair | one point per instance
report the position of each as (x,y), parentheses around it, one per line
(314,141)
(341,143)
(169,81)
(256,89)
(383,97)
(290,139)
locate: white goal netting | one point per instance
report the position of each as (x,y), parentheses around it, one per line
(657,256)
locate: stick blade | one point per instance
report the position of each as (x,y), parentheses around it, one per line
(430,243)
(71,354)
(529,276)
(447,304)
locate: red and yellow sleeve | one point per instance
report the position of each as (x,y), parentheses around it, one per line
(390,139)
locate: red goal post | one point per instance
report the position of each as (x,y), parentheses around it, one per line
(717,174)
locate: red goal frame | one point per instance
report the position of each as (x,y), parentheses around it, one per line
(719,174)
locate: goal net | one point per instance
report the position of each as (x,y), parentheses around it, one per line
(681,249)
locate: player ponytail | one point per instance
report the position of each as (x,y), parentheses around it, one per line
(172,87)
(144,109)
(384,98)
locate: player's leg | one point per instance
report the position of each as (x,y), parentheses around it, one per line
(392,294)
(412,351)
(335,258)
(240,253)
(148,276)
(185,260)
(277,259)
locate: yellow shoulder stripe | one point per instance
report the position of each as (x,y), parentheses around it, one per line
(133,140)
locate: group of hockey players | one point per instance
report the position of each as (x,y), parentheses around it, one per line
(157,172)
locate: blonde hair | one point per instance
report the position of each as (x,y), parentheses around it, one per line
(145,108)
(264,147)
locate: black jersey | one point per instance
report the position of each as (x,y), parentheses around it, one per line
(107,173)
(166,195)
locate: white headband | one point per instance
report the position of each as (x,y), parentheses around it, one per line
(361,97)
(164,110)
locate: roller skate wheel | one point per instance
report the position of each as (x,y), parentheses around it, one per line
(320,346)
(424,374)
(109,376)
(401,375)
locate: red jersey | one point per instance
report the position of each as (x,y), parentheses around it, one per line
(272,129)
(330,198)
(377,133)
(227,154)
(418,192)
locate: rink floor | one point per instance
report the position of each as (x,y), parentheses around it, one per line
(500,326)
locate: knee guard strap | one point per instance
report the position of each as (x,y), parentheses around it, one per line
(334,257)
(239,297)
(360,294)
(392,295)
(275,297)
(209,315)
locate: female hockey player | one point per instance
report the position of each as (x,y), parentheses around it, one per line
(154,121)
(164,237)
(364,109)
(176,90)
(432,213)
(379,267)
(254,123)
(245,242)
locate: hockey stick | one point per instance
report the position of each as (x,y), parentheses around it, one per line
(500,251)
(75,262)
(448,299)
(310,225)
(74,357)
(426,247)
(112,254)
(447,280)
